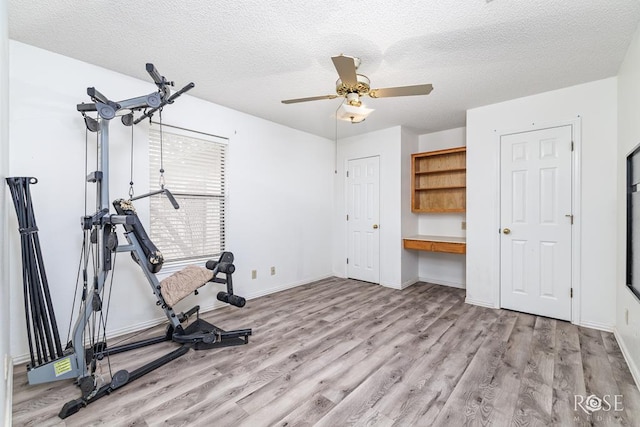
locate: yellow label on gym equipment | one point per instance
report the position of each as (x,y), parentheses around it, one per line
(62,366)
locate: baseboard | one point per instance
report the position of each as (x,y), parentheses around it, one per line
(25,358)
(635,371)
(281,288)
(442,282)
(8,402)
(479,302)
(597,325)
(408,283)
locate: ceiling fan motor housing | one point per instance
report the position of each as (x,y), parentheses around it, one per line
(362,87)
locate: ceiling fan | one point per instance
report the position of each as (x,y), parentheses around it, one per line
(352,85)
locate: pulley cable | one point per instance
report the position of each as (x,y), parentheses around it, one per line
(104,316)
(131,167)
(161,152)
(75,293)
(86,157)
(83,252)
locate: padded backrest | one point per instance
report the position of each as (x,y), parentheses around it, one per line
(154,258)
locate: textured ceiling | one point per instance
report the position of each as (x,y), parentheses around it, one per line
(250,54)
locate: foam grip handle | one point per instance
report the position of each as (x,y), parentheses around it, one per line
(172,199)
(226,267)
(231,299)
(211,264)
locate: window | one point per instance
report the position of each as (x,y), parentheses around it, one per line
(633,221)
(194,165)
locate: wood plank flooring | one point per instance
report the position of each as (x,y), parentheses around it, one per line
(341,352)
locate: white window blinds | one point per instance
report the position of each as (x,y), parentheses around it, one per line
(194,172)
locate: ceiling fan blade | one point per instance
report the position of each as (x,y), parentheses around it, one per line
(313,98)
(346,68)
(401,91)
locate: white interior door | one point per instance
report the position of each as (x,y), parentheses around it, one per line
(535,199)
(363,212)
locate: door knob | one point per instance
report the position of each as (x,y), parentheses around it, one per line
(375,226)
(506,231)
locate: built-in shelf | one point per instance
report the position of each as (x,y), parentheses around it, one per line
(439,181)
(454,245)
(441,171)
(440,188)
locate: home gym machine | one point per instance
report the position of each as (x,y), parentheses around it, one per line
(87,342)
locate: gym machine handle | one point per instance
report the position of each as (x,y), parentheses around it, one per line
(164,102)
(164,191)
(172,199)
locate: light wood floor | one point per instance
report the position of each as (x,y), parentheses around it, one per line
(342,352)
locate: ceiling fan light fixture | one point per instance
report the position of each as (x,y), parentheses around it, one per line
(353,99)
(349,113)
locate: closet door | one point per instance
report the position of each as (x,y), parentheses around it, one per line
(363,213)
(535,215)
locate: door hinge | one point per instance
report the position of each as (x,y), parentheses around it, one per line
(347,217)
(347,174)
(347,260)
(571,293)
(571,145)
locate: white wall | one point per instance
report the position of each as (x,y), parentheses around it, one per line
(386,144)
(450,138)
(628,334)
(280,192)
(4,209)
(409,221)
(595,103)
(442,268)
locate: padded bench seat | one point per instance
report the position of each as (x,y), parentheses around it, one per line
(184,282)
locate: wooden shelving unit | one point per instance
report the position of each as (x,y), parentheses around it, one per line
(439,181)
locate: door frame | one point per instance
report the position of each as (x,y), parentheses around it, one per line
(346,206)
(576,186)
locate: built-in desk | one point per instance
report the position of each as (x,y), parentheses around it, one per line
(454,245)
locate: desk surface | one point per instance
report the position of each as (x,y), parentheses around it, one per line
(426,238)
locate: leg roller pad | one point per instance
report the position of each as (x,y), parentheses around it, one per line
(231,299)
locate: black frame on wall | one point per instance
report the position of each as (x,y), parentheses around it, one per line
(633,227)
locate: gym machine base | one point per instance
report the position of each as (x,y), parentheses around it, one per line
(49,362)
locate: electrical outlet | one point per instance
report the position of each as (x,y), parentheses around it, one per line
(254,274)
(463,225)
(273,271)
